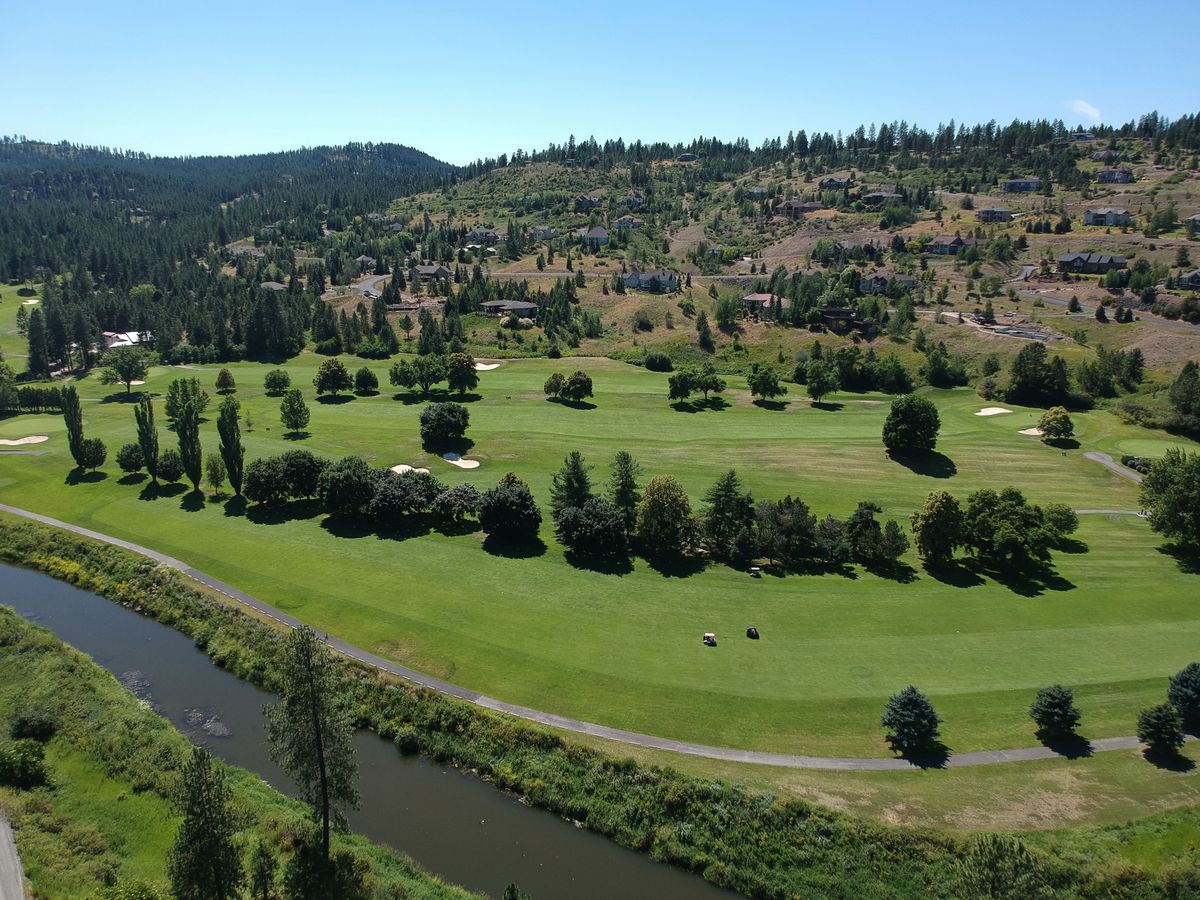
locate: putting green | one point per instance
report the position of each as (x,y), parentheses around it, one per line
(625,649)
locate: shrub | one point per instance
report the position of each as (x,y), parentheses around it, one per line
(657,361)
(22,763)
(509,512)
(366,381)
(1183,692)
(170,465)
(277,381)
(92,453)
(129,458)
(225,382)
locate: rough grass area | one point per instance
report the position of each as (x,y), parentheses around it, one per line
(104,816)
(624,648)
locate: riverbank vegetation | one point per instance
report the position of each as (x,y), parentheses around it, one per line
(755,842)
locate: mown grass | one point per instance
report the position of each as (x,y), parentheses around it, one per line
(105,816)
(624,649)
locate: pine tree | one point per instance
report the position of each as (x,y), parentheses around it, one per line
(623,488)
(204,863)
(310,731)
(571,486)
(263,866)
(73,416)
(187,429)
(147,434)
(728,516)
(232,450)
(39,357)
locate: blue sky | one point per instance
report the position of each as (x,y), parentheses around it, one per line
(464,80)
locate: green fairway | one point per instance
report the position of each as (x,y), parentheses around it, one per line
(625,649)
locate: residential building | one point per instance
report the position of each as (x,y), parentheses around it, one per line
(1089,263)
(481,235)
(365,262)
(756,193)
(1105,156)
(628,221)
(634,201)
(877,282)
(1106,215)
(994,214)
(273,286)
(656,280)
(432,273)
(686,157)
(542,233)
(596,236)
(586,202)
(947,244)
(879,198)
(1115,175)
(835,184)
(1190,280)
(521,308)
(1020,185)
(763,304)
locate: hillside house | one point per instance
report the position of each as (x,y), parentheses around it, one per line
(1089,263)
(759,304)
(1020,185)
(686,157)
(481,235)
(1115,175)
(273,286)
(839,319)
(1190,280)
(634,201)
(586,203)
(877,282)
(948,244)
(1105,156)
(656,281)
(522,309)
(1081,136)
(994,214)
(835,184)
(124,339)
(593,237)
(628,221)
(432,273)
(1106,215)
(365,262)
(879,198)
(756,193)
(542,233)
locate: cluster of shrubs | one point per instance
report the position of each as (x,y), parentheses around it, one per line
(575,387)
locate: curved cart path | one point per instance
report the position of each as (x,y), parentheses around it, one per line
(1113,466)
(12,878)
(633,738)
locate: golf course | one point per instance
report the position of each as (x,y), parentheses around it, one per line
(1114,616)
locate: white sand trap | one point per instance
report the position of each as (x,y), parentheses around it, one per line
(486,367)
(31,302)
(32,439)
(1032,432)
(404,469)
(455,460)
(136,383)
(993,411)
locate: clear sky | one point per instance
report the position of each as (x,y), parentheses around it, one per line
(464,80)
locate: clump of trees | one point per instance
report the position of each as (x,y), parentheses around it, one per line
(1171,492)
(574,388)
(702,379)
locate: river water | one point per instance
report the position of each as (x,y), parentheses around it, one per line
(452,823)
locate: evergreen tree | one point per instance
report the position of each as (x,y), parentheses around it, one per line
(263,867)
(232,450)
(310,731)
(39,356)
(570,486)
(623,489)
(728,517)
(187,429)
(911,722)
(704,333)
(147,435)
(225,382)
(1054,711)
(293,411)
(204,863)
(73,417)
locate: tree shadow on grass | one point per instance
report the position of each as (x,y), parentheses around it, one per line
(828,406)
(132,478)
(1070,745)
(332,400)
(1029,581)
(929,463)
(457,529)
(935,756)
(370,393)
(678,565)
(193,501)
(715,404)
(349,526)
(235,506)
(773,405)
(405,527)
(1063,443)
(899,572)
(604,565)
(1169,760)
(1071,545)
(26,292)
(122,397)
(572,404)
(277,514)
(462,446)
(953,573)
(78,476)
(1186,557)
(296,435)
(510,549)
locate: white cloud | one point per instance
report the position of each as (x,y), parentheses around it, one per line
(1086,110)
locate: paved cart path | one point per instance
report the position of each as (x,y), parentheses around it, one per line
(12,878)
(633,738)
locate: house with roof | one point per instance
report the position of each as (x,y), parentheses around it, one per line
(628,221)
(432,272)
(760,304)
(273,286)
(878,282)
(1020,185)
(948,244)
(879,198)
(1106,215)
(586,203)
(481,235)
(1115,175)
(835,184)
(523,309)
(1089,263)
(756,193)
(1081,136)
(1105,156)
(686,157)
(839,319)
(365,262)
(542,233)
(633,200)
(655,280)
(594,237)
(124,338)
(1190,280)
(994,214)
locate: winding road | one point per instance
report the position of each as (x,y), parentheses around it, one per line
(632,738)
(12,877)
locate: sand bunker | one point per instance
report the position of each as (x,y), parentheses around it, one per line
(486,367)
(993,411)
(455,460)
(1032,432)
(32,439)
(136,383)
(404,469)
(31,302)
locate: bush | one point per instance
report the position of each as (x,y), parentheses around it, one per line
(366,381)
(277,381)
(443,424)
(22,763)
(129,458)
(170,465)
(92,453)
(657,361)
(595,529)
(265,481)
(1183,692)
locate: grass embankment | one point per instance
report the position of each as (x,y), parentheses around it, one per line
(624,649)
(755,842)
(104,816)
